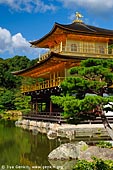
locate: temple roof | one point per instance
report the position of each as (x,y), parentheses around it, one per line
(50,63)
(81,27)
(78,28)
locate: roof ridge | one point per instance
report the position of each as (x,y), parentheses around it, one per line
(106,29)
(86,26)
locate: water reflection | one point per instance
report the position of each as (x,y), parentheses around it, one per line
(29,149)
(22,148)
(63,165)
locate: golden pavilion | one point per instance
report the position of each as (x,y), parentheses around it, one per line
(67,46)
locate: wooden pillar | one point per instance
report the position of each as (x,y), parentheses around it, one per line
(61,46)
(31,107)
(47,106)
(65,72)
(51,107)
(66,47)
(58,78)
(107,48)
(57,74)
(36,107)
(54,76)
(50,83)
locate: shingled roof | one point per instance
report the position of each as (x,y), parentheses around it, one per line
(81,27)
(78,27)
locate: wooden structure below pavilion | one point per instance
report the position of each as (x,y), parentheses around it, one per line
(67,46)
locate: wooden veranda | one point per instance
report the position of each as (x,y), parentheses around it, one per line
(46,116)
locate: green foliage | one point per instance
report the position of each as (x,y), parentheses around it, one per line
(7,79)
(96,164)
(9,84)
(76,110)
(83,92)
(21,102)
(13,100)
(103,144)
(6,99)
(83,165)
(17,63)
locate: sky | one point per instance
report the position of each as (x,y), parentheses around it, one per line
(22,21)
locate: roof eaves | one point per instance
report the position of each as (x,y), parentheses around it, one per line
(92,31)
(48,34)
(32,67)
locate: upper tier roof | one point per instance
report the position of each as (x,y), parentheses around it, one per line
(79,28)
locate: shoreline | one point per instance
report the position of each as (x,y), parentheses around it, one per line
(70,131)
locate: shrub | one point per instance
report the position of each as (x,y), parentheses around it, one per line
(103,144)
(96,164)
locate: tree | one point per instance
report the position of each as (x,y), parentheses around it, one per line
(9,84)
(6,99)
(21,102)
(83,91)
(18,63)
(7,79)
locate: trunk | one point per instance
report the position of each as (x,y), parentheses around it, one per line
(107,125)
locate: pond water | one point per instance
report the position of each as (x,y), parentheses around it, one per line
(20,149)
(24,150)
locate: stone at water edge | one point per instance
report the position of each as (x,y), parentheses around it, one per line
(95,151)
(68,151)
(82,146)
(65,151)
(51,134)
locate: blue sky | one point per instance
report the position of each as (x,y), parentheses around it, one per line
(22,21)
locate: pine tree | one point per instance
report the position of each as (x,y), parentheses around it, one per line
(83,91)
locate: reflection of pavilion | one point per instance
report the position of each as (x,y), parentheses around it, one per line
(41,146)
(68,45)
(26,162)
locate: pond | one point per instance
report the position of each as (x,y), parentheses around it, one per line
(21,149)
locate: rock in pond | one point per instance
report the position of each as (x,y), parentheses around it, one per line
(51,134)
(67,151)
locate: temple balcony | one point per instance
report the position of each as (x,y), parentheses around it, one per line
(86,52)
(43,85)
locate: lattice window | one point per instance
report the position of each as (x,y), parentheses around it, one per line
(73,47)
(101,50)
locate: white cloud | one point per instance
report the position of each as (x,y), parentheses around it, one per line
(94,6)
(16,45)
(89,3)
(5,39)
(29,5)
(18,41)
